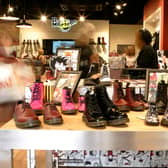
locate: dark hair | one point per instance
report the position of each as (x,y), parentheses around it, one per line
(146,36)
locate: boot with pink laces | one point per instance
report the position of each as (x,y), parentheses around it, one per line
(67,106)
(37,96)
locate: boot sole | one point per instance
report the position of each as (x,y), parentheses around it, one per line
(70,112)
(124,108)
(151,124)
(28,124)
(94,124)
(55,121)
(118,122)
(140,108)
(164,123)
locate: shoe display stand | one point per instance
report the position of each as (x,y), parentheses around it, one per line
(74,134)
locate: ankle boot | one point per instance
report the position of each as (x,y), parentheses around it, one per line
(103,41)
(111,113)
(93,116)
(25,117)
(105,79)
(37,97)
(99,41)
(161,97)
(81,104)
(118,97)
(132,103)
(67,106)
(152,116)
(52,115)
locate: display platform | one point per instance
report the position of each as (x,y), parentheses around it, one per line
(74,134)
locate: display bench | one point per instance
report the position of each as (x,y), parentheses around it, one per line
(74,134)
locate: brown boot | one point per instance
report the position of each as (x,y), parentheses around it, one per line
(25,117)
(118,97)
(133,104)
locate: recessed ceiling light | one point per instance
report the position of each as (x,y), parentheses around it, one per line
(43,18)
(115,13)
(121,12)
(124,4)
(82,18)
(118,7)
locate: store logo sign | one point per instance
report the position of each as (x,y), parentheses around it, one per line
(64,25)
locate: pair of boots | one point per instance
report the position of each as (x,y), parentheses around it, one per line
(127,102)
(100,111)
(25,117)
(68,106)
(152,117)
(100,41)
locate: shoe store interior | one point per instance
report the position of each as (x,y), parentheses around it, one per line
(83,83)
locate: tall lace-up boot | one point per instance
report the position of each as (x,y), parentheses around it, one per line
(93,116)
(67,106)
(110,111)
(37,96)
(118,97)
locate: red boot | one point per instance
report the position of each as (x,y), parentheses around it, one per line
(25,117)
(133,104)
(52,115)
(118,97)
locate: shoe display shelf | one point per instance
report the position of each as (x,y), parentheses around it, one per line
(74,134)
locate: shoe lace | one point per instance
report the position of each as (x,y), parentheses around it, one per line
(68,96)
(152,110)
(36,93)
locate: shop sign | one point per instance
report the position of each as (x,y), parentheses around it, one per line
(64,25)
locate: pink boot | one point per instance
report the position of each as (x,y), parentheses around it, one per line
(67,106)
(37,96)
(81,104)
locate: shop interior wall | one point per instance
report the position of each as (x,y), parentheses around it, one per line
(42,30)
(122,34)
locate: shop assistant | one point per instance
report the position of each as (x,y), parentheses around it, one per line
(147,57)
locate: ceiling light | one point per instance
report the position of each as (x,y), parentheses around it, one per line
(121,12)
(10,9)
(82,18)
(9,18)
(124,4)
(118,7)
(61,18)
(43,18)
(24,24)
(115,13)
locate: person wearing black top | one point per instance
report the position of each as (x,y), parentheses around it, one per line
(147,57)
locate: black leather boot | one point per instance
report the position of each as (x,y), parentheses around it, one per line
(111,113)
(164,120)
(93,116)
(161,97)
(152,116)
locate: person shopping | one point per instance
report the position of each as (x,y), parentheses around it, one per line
(147,57)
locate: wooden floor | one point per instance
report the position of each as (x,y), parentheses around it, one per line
(21,162)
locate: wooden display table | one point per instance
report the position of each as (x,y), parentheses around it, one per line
(74,134)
